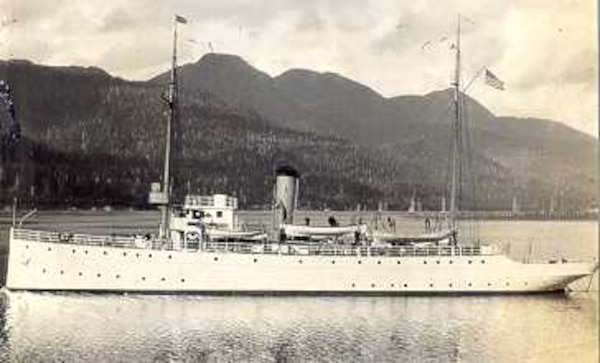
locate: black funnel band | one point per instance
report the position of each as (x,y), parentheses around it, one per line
(287,170)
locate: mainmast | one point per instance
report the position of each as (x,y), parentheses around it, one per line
(172,114)
(455,134)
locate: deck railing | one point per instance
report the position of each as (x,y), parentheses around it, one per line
(250,247)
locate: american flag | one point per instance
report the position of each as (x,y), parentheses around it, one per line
(492,80)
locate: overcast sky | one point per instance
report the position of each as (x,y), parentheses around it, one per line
(544,50)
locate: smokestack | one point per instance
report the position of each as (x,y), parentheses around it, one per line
(286,196)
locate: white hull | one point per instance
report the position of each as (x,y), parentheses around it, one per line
(35,265)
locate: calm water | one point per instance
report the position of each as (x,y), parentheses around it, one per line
(112,328)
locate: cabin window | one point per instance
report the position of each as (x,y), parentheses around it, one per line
(143,279)
(150,256)
(482,261)
(359,262)
(430,285)
(405,285)
(372,285)
(470,284)
(80,274)
(353,285)
(424,262)
(470,262)
(162,279)
(182,280)
(219,214)
(73,251)
(98,275)
(124,253)
(451,262)
(333,262)
(255,260)
(105,253)
(197,214)
(118,276)
(62,272)
(438,262)
(398,262)
(49,249)
(379,262)
(216,259)
(450,285)
(170,257)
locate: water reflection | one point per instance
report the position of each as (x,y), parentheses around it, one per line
(80,327)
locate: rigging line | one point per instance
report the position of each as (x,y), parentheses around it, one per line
(477,75)
(471,168)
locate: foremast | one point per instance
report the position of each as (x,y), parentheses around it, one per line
(171,100)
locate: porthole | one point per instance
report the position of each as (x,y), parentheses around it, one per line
(379,262)
(162,279)
(451,262)
(470,262)
(405,285)
(470,284)
(80,274)
(98,275)
(86,252)
(26,247)
(143,279)
(255,260)
(333,262)
(62,272)
(299,261)
(489,284)
(105,253)
(137,255)
(508,284)
(438,262)
(398,262)
(49,249)
(450,285)
(118,276)
(216,259)
(43,270)
(391,285)
(430,285)
(482,261)
(150,255)
(359,262)
(124,253)
(526,283)
(424,262)
(170,257)
(72,251)
(182,280)
(353,285)
(372,285)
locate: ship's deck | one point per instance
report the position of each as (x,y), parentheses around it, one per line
(291,247)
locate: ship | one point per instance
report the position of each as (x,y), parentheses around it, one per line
(202,248)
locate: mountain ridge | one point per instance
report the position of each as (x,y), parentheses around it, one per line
(355,145)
